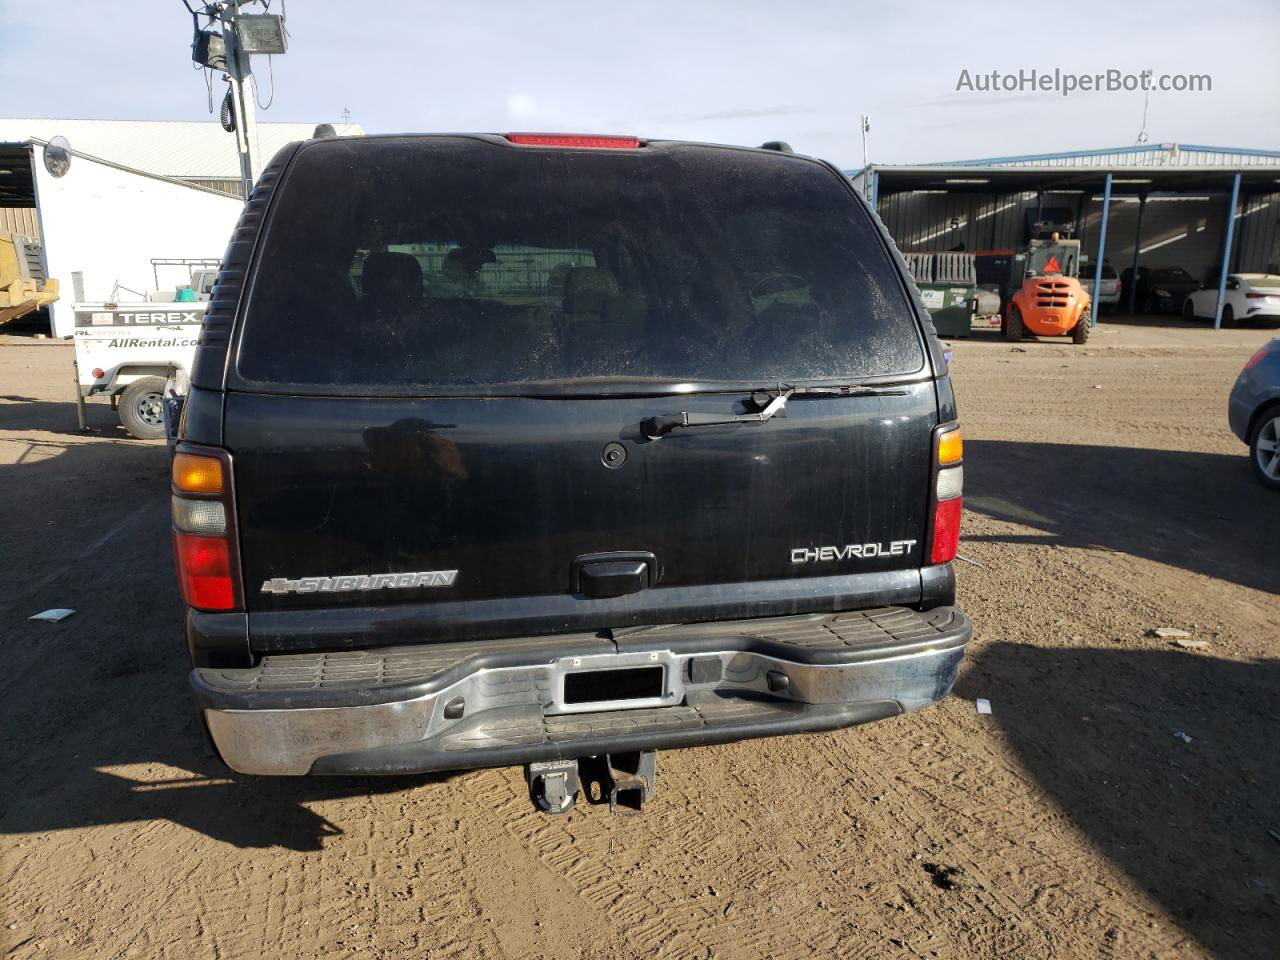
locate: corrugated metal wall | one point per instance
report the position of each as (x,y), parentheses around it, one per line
(1188,232)
(1182,232)
(1258,235)
(921,222)
(20,220)
(232,188)
(1176,231)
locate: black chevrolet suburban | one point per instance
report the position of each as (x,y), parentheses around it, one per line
(558,450)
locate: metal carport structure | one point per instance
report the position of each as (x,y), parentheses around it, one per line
(1165,171)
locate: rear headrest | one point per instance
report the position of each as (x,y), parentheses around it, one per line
(391,279)
(627,311)
(587,288)
(466,261)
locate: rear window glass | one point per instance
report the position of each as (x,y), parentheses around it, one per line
(456,263)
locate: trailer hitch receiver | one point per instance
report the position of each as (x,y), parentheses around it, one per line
(622,780)
(629,780)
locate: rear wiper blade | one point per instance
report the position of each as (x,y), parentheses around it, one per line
(846,390)
(770,402)
(655,428)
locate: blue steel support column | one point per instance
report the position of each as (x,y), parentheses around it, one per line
(875,189)
(1102,251)
(1226,251)
(1137,250)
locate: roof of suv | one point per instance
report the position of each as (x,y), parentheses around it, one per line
(594,143)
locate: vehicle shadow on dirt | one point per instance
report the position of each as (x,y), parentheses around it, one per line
(1203,512)
(136,753)
(1188,821)
(59,418)
(98,724)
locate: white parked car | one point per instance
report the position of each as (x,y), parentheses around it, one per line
(1108,287)
(1250,296)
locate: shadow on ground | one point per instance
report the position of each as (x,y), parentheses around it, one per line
(88,704)
(1202,512)
(59,418)
(1189,822)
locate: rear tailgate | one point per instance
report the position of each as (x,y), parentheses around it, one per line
(509,492)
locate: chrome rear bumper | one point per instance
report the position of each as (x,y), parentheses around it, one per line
(497,703)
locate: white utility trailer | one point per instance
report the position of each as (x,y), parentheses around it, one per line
(127,352)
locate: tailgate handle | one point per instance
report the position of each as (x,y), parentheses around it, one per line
(612,575)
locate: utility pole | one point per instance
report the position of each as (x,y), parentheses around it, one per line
(866,177)
(1146,103)
(239,75)
(225,43)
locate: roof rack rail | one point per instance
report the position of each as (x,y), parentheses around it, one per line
(780,145)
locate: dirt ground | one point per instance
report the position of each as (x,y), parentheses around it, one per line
(1105,497)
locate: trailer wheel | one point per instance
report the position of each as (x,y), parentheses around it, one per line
(1080,333)
(1013,328)
(142,408)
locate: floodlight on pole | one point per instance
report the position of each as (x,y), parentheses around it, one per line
(225,43)
(262,33)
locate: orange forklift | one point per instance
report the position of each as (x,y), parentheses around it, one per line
(1051,301)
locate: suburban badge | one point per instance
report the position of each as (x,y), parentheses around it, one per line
(376,581)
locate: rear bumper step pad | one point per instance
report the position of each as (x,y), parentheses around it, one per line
(497,703)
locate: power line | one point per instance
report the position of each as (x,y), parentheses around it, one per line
(271,76)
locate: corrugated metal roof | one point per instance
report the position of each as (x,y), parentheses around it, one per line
(1175,155)
(169,148)
(1171,156)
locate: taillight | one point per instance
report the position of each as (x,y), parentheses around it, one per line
(948,487)
(592,141)
(197,473)
(204,571)
(950,447)
(946,531)
(204,541)
(1257,357)
(1257,296)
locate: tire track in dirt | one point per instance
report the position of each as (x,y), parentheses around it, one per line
(639,871)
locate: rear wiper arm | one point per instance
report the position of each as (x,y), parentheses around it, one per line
(771,403)
(655,428)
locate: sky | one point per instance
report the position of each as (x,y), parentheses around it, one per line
(742,72)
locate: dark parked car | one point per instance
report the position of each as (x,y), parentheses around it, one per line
(556,451)
(1254,412)
(1159,289)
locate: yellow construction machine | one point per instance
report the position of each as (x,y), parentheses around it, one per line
(23,285)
